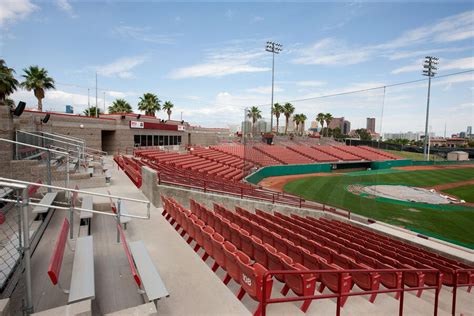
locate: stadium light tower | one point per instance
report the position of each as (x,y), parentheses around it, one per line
(429,69)
(274,48)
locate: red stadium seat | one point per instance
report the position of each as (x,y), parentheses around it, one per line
(218,251)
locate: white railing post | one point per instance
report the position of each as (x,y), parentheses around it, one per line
(119,206)
(26,251)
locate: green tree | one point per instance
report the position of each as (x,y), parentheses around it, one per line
(168,106)
(277,110)
(149,103)
(328,118)
(38,80)
(320,118)
(92,111)
(363,134)
(120,106)
(8,83)
(288,110)
(299,119)
(303,119)
(254,114)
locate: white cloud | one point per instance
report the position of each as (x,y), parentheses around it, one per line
(423,53)
(13,10)
(330,51)
(121,94)
(66,7)
(265,89)
(310,83)
(145,34)
(229,14)
(218,64)
(257,19)
(121,67)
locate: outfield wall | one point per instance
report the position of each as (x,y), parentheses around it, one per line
(285,170)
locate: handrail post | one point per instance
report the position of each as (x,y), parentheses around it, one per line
(27,251)
(48,164)
(455,290)
(400,306)
(339,292)
(71,217)
(119,206)
(263,303)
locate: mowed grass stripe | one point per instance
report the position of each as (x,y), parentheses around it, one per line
(465,192)
(452,224)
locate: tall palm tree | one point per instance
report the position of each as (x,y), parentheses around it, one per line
(167,106)
(302,119)
(277,110)
(320,118)
(92,111)
(288,109)
(296,119)
(328,118)
(37,79)
(255,114)
(8,83)
(149,103)
(120,106)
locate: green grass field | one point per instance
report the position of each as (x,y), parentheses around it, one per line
(465,192)
(413,156)
(450,222)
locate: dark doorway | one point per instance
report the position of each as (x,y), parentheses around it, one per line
(108,138)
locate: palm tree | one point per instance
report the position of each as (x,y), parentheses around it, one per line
(255,114)
(296,119)
(328,119)
(167,106)
(149,103)
(277,110)
(302,119)
(288,109)
(120,106)
(37,79)
(93,111)
(8,83)
(320,118)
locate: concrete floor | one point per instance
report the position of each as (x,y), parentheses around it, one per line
(194,289)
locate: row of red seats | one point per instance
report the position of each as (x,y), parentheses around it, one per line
(363,153)
(405,252)
(284,155)
(249,153)
(315,155)
(334,151)
(380,152)
(131,169)
(220,157)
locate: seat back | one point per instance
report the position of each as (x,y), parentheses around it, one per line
(218,249)
(32,189)
(274,261)
(207,233)
(54,268)
(252,277)
(231,266)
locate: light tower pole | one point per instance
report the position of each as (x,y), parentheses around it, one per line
(274,48)
(429,69)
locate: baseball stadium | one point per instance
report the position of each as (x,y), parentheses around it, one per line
(117,207)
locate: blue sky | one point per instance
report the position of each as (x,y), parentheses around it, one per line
(209,58)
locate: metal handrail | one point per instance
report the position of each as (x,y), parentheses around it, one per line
(264,301)
(60,141)
(75,139)
(455,288)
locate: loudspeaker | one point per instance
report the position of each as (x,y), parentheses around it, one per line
(19,109)
(182,122)
(123,117)
(46,118)
(138,116)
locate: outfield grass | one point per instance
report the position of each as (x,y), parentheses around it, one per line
(412,156)
(450,222)
(465,192)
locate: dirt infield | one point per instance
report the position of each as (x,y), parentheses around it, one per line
(413,168)
(452,185)
(277,183)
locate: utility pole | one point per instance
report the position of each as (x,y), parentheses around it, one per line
(96,105)
(429,69)
(274,48)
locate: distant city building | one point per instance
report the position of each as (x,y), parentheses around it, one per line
(314,124)
(371,124)
(462,134)
(412,136)
(346,127)
(69,109)
(337,122)
(469,130)
(246,127)
(263,127)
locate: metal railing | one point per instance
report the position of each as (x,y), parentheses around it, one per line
(456,285)
(264,301)
(49,151)
(22,200)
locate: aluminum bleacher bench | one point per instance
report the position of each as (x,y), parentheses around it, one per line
(90,171)
(143,270)
(82,285)
(123,219)
(86,217)
(47,199)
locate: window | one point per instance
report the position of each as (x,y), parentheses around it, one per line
(179,140)
(150,140)
(155,140)
(136,140)
(143,140)
(161,140)
(166,140)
